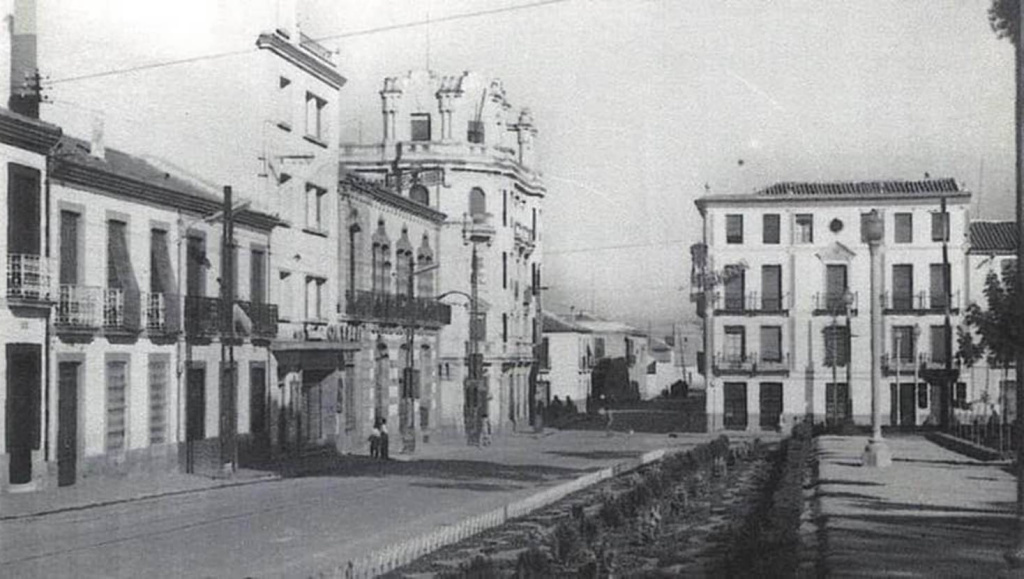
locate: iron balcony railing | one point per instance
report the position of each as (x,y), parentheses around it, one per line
(121,310)
(156,311)
(263,318)
(203,317)
(396,309)
(79,307)
(752,303)
(478,227)
(28,277)
(751,363)
(836,304)
(920,302)
(892,363)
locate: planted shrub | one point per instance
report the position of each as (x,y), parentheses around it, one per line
(566,542)
(590,530)
(533,563)
(611,514)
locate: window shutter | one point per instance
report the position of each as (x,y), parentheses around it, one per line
(68,248)
(771,228)
(771,343)
(162,277)
(120,273)
(771,287)
(902,286)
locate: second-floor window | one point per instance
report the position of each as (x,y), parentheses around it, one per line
(316,122)
(938,274)
(475,132)
(69,247)
(940,351)
(734,229)
(835,287)
(477,201)
(770,229)
(771,343)
(903,343)
(316,210)
(771,288)
(940,226)
(735,343)
(257,276)
(902,286)
(419,127)
(837,345)
(734,288)
(904,228)
(315,298)
(804,228)
(123,311)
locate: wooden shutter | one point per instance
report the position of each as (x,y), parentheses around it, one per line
(771,287)
(23,213)
(68,248)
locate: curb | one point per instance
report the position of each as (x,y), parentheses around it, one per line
(155,495)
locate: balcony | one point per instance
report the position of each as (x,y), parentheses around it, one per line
(78,309)
(28,280)
(413,151)
(750,364)
(397,310)
(893,364)
(752,304)
(479,228)
(121,313)
(523,237)
(202,317)
(263,318)
(836,304)
(920,303)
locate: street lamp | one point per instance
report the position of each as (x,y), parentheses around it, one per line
(877,453)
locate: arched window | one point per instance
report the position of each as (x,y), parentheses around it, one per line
(403,269)
(424,259)
(420,194)
(477,201)
(381,265)
(355,248)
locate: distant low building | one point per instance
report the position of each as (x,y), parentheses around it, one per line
(566,360)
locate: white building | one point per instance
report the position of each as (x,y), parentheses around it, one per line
(787,322)
(457,145)
(664,369)
(566,360)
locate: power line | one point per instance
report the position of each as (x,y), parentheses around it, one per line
(613,247)
(353,34)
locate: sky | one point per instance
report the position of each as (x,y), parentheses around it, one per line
(641,105)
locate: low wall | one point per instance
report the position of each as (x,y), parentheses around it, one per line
(964,447)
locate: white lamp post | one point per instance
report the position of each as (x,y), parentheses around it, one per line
(877,453)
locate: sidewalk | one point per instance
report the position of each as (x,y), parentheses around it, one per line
(934,513)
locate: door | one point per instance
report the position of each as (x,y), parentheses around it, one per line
(771,404)
(837,403)
(258,423)
(24,385)
(67,423)
(908,405)
(735,406)
(195,414)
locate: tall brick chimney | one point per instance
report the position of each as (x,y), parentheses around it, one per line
(23,59)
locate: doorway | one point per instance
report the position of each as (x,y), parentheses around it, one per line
(735,406)
(195,415)
(904,405)
(771,405)
(67,423)
(837,403)
(24,386)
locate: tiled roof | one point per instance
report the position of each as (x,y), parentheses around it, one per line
(928,186)
(993,236)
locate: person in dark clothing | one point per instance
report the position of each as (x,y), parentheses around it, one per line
(384,438)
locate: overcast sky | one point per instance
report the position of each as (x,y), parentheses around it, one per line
(640,104)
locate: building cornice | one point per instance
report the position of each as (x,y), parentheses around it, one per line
(350,182)
(299,57)
(67,172)
(959,197)
(27,133)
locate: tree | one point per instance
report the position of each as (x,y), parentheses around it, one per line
(1003,17)
(998,325)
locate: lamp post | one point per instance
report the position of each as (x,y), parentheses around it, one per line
(877,453)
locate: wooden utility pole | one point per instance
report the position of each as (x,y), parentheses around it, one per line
(228,374)
(1016,555)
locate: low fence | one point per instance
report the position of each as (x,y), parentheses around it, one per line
(401,554)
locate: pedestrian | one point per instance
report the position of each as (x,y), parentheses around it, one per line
(375,439)
(384,438)
(485,431)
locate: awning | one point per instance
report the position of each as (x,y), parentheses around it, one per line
(313,355)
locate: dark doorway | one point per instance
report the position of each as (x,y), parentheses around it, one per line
(24,385)
(735,406)
(67,425)
(258,423)
(195,414)
(837,404)
(903,410)
(771,404)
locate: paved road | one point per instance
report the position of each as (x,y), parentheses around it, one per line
(306,522)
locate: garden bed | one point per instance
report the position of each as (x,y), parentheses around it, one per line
(687,515)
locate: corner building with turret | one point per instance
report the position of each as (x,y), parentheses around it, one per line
(457,145)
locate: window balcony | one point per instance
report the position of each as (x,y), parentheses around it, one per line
(121,311)
(28,279)
(397,310)
(920,303)
(202,317)
(751,364)
(893,364)
(263,318)
(752,304)
(836,304)
(523,238)
(79,308)
(478,228)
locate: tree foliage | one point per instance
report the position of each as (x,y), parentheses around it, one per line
(999,326)
(1003,17)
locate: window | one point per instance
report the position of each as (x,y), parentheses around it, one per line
(504,327)
(835,287)
(599,348)
(939,276)
(770,229)
(734,229)
(69,258)
(477,201)
(284,290)
(837,345)
(904,228)
(196,267)
(316,124)
(735,405)
(734,288)
(771,288)
(420,127)
(161,307)
(804,228)
(922,396)
(257,276)
(314,298)
(316,209)
(940,353)
(158,373)
(504,208)
(735,344)
(903,286)
(117,405)
(771,343)
(284,103)
(504,270)
(940,226)
(122,306)
(420,194)
(903,343)
(23,210)
(475,132)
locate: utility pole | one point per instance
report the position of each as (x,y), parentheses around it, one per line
(474,387)
(946,406)
(1015,557)
(228,382)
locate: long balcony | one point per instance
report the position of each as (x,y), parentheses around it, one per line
(523,237)
(79,308)
(398,310)
(203,318)
(426,151)
(894,364)
(752,304)
(28,279)
(836,304)
(920,303)
(263,318)
(751,364)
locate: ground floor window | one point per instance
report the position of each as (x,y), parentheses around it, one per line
(158,378)
(837,403)
(771,404)
(735,417)
(117,404)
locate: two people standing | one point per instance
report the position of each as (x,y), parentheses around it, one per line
(379,439)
